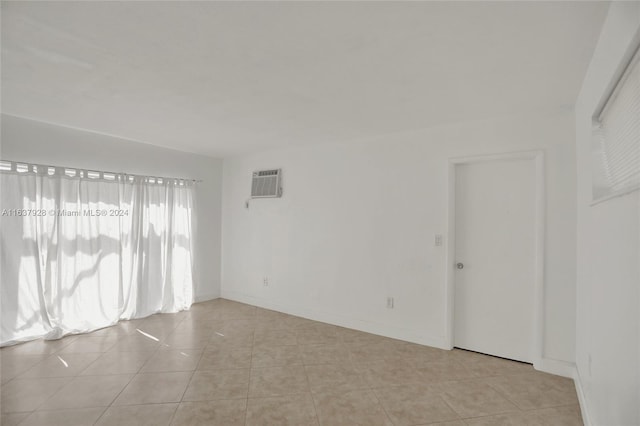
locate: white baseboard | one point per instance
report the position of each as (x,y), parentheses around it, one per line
(567,369)
(557,367)
(380,329)
(584,407)
(204,297)
(547,365)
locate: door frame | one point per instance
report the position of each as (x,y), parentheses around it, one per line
(537,157)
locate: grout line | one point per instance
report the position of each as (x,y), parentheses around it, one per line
(504,395)
(315,407)
(134,375)
(186,387)
(306,376)
(368,385)
(373,392)
(451,408)
(101,414)
(54,393)
(253,342)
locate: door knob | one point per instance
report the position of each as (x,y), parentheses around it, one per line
(459,265)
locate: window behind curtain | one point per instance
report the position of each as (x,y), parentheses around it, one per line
(81,250)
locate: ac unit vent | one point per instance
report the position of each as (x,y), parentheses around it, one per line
(266,184)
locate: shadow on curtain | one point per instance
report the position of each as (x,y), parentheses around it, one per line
(80,253)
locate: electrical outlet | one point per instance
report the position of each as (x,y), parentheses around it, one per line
(438,240)
(390,302)
(265,281)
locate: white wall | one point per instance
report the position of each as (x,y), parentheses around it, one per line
(357,222)
(32,141)
(608,255)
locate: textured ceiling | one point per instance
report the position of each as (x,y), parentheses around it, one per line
(224,78)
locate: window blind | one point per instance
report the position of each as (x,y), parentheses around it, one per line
(616,138)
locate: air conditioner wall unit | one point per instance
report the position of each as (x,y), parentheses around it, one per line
(266,184)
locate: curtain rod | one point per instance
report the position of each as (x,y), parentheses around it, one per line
(15,163)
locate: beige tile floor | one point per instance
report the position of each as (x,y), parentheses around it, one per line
(226,363)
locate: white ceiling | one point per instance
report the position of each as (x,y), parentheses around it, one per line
(227,78)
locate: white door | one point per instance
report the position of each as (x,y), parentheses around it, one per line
(495,256)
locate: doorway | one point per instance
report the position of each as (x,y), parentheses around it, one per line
(495,285)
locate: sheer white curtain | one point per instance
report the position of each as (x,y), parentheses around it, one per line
(82,250)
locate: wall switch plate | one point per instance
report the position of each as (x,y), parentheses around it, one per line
(390,302)
(438,240)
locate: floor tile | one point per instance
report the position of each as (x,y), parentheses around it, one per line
(325,354)
(38,347)
(174,360)
(84,344)
(225,358)
(475,399)
(294,323)
(155,329)
(561,416)
(348,336)
(272,324)
(15,364)
(314,336)
(154,388)
(510,419)
(238,312)
(289,410)
(218,384)
(12,419)
(88,391)
(229,339)
(324,327)
(117,363)
(136,343)
(28,394)
(414,405)
(77,417)
(370,352)
(239,325)
(138,415)
(116,330)
(186,340)
(388,373)
(442,371)
(536,390)
(335,377)
(421,353)
(275,381)
(359,407)
(230,412)
(275,356)
(266,314)
(465,356)
(191,325)
(224,362)
(275,337)
(125,328)
(492,366)
(61,365)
